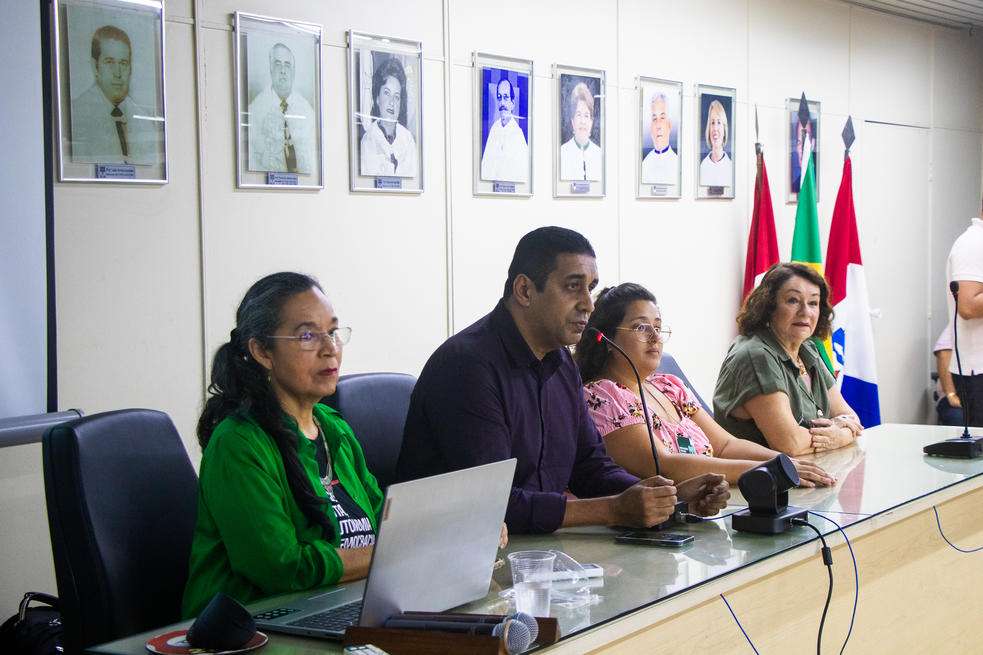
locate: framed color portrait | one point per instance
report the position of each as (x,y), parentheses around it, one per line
(578,152)
(385,113)
(278,103)
(502,125)
(716,137)
(110,75)
(659,160)
(797,135)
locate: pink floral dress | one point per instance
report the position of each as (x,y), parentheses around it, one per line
(614,406)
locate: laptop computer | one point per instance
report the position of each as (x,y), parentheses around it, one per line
(435,549)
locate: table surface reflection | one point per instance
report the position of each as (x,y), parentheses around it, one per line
(883,470)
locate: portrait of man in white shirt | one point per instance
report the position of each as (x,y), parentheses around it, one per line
(282,132)
(505,155)
(107,125)
(660,165)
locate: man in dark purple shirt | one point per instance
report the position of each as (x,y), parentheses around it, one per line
(506,386)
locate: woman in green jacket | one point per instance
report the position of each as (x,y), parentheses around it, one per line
(286,501)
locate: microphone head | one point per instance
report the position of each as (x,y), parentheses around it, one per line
(514,634)
(954,287)
(530,622)
(597,334)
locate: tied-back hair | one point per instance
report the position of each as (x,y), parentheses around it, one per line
(760,304)
(240,385)
(609,310)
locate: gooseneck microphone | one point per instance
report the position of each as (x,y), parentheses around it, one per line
(964,400)
(965,446)
(448,617)
(513,632)
(641,391)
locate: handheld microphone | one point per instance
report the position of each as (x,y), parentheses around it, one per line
(514,634)
(641,392)
(965,446)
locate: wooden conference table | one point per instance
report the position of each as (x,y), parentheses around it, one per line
(917,593)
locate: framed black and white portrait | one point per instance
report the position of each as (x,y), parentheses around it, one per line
(502,125)
(385,77)
(278,103)
(110,77)
(716,136)
(578,152)
(658,160)
(798,136)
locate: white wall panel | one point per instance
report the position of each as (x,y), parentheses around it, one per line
(796,47)
(890,68)
(892,206)
(957,96)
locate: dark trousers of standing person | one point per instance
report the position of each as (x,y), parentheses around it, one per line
(969,388)
(947,414)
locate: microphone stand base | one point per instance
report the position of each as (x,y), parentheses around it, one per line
(678,516)
(745,521)
(961,447)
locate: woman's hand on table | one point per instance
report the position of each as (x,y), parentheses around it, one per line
(812,474)
(831,434)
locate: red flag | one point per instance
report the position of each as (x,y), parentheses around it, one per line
(853,336)
(762,243)
(843,247)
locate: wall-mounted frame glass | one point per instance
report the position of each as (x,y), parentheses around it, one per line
(109,62)
(502,125)
(278,103)
(658,162)
(579,137)
(716,107)
(796,135)
(385,109)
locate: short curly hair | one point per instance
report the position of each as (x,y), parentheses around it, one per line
(760,304)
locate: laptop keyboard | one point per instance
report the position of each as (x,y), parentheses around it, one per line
(335,619)
(269,615)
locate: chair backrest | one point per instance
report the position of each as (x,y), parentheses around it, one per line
(122,505)
(670,366)
(375,406)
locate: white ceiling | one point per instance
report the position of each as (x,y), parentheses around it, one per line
(960,14)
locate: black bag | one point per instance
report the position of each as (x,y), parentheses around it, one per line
(33,630)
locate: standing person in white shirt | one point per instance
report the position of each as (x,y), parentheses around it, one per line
(965,266)
(506,154)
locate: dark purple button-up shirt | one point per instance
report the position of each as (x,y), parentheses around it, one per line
(484,397)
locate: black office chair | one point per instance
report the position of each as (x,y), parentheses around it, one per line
(670,366)
(122,502)
(375,405)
